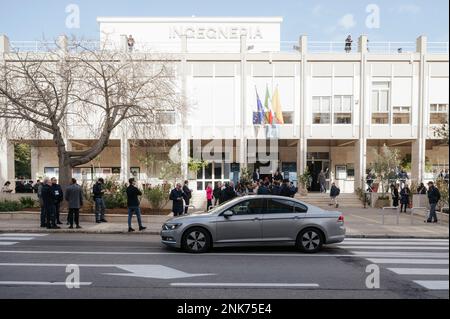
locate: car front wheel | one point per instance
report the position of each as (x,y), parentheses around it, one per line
(196,240)
(310,240)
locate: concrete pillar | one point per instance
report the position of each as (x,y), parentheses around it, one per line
(62,43)
(303,44)
(124,159)
(360,163)
(421,44)
(7,172)
(4,44)
(184,147)
(243,139)
(183,43)
(418,160)
(123,46)
(301,155)
(35,162)
(362,44)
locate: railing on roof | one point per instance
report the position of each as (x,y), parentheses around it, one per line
(232,46)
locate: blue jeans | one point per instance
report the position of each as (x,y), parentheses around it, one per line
(137,211)
(99,209)
(432,216)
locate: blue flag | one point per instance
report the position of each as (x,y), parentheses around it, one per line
(258,116)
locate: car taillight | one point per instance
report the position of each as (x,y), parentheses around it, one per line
(341,218)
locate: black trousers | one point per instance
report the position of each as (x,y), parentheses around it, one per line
(50,215)
(57,212)
(401,207)
(74,214)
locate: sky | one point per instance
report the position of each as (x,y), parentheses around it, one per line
(321,20)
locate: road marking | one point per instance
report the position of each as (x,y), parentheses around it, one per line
(154,271)
(400,254)
(397,239)
(8,243)
(241,284)
(23,234)
(43,283)
(408,243)
(395,247)
(433,284)
(16,238)
(355,254)
(420,271)
(408,261)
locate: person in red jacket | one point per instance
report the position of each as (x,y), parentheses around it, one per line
(209,196)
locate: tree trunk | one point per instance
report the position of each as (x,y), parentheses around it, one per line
(65,172)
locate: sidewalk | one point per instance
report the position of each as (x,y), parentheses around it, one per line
(359,222)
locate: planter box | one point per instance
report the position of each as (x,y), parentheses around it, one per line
(380,203)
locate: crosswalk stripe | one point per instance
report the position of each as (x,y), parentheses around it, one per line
(16,238)
(397,239)
(433,284)
(408,261)
(399,254)
(8,243)
(420,271)
(394,247)
(407,243)
(22,234)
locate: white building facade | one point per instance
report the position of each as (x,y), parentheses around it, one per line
(338,108)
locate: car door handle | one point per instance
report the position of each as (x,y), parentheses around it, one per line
(296,217)
(256,219)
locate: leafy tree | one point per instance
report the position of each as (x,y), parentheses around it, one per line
(442,132)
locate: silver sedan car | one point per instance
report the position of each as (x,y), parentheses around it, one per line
(256,220)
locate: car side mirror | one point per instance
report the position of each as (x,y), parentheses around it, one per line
(227,213)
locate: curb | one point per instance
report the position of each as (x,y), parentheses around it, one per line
(79,231)
(154,232)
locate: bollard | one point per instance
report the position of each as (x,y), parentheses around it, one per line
(390,207)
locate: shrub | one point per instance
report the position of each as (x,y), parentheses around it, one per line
(27,202)
(158,196)
(10,206)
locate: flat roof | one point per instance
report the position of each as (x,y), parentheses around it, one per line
(275,19)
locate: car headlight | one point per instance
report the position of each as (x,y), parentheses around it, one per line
(171,226)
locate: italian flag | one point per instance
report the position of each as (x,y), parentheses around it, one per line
(269,114)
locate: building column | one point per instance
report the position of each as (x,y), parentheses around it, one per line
(360,163)
(124,159)
(301,155)
(184,148)
(34,162)
(244,108)
(7,172)
(418,160)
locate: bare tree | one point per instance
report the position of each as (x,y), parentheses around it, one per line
(442,132)
(98,92)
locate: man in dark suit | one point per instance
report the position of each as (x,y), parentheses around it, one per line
(59,196)
(48,198)
(176,195)
(74,198)
(187,195)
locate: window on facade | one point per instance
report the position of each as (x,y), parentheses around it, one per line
(438,113)
(343,109)
(401,114)
(321,107)
(380,103)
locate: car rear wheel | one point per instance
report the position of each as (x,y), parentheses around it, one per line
(196,240)
(310,240)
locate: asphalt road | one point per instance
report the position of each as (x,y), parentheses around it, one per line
(130,266)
